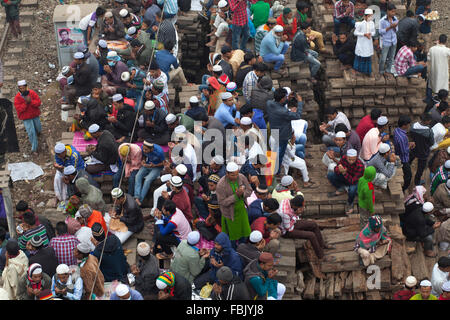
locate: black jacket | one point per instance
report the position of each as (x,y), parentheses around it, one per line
(347,48)
(46,257)
(241,73)
(132,215)
(235,290)
(227,69)
(424,139)
(299,46)
(159,118)
(416,224)
(82,80)
(182,289)
(259,98)
(95,113)
(106,150)
(125,120)
(247,252)
(149,272)
(114,264)
(280,118)
(408,28)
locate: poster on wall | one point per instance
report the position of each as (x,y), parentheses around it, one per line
(70,37)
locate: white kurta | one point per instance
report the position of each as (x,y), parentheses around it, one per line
(438,67)
(364,46)
(291,160)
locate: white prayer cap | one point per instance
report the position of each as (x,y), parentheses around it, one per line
(176,181)
(193,237)
(21,83)
(131,30)
(78,55)
(122,290)
(232,167)
(255,236)
(217,68)
(278,28)
(117,97)
(181,169)
(78,214)
(170,118)
(125,76)
(65,70)
(69,170)
(447,164)
(287,181)
(93,128)
(411,281)
(102,44)
(111,54)
(288,90)
(180,129)
(382,120)
(425,283)
(368,11)
(226,95)
(166,177)
(427,207)
(116,193)
(123,13)
(446,286)
(161,285)
(108,14)
(222,4)
(340,134)
(193,99)
(246,121)
(143,249)
(62,269)
(352,153)
(37,271)
(218,159)
(384,147)
(60,147)
(83,247)
(149,105)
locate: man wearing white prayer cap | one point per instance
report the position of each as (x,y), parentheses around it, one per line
(189,260)
(425,292)
(124,292)
(346,175)
(217,68)
(121,126)
(445,291)
(286,189)
(439,275)
(408,291)
(232,193)
(227,112)
(273,48)
(373,138)
(67,285)
(27,103)
(252,249)
(385,163)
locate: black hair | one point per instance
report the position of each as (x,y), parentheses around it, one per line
(444,262)
(274,218)
(443,38)
(154,65)
(246,108)
(22,206)
(304,25)
(330,110)
(246,140)
(61,228)
(170,206)
(260,66)
(300,5)
(445,119)
(271,203)
(297,201)
(97,85)
(279,94)
(413,43)
(375,114)
(29,218)
(168,45)
(2,234)
(147,22)
(409,14)
(12,247)
(443,105)
(425,117)
(404,119)
(63,30)
(122,91)
(340,127)
(391,6)
(203,117)
(248,56)
(442,94)
(100,11)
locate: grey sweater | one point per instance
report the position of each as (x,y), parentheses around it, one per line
(382,165)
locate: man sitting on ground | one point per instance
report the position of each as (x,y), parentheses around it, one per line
(386,164)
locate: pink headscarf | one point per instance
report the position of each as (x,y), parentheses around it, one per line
(416,196)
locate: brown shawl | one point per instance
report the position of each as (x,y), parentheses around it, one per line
(226,197)
(87,273)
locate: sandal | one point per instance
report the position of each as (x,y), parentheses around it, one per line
(310,185)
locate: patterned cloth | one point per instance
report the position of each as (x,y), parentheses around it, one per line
(354,171)
(239,9)
(401,144)
(339,10)
(368,239)
(404,60)
(250,82)
(289,218)
(363,64)
(63,246)
(29,234)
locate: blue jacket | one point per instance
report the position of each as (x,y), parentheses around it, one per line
(280,118)
(228,256)
(268,45)
(299,46)
(255,211)
(155,157)
(73,158)
(165,59)
(114,264)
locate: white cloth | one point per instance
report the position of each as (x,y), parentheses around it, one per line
(364,46)
(123,236)
(86,22)
(438,67)
(299,127)
(189,157)
(340,118)
(84,235)
(162,77)
(438,277)
(329,163)
(157,193)
(439,132)
(60,187)
(291,160)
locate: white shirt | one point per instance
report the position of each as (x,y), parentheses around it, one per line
(439,132)
(87,22)
(189,157)
(364,46)
(438,277)
(162,77)
(340,118)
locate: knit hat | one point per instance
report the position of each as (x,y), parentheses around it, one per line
(181,169)
(193,99)
(287,181)
(37,241)
(117,97)
(425,283)
(278,28)
(65,70)
(165,177)
(265,257)
(231,86)
(149,105)
(122,289)
(143,249)
(287,10)
(125,76)
(411,281)
(62,269)
(85,211)
(112,55)
(60,147)
(78,55)
(167,279)
(217,68)
(34,268)
(193,237)
(222,3)
(223,79)
(246,121)
(232,167)
(116,193)
(179,129)
(255,236)
(375,222)
(123,13)
(83,247)
(93,128)
(266,83)
(214,178)
(69,170)
(224,274)
(102,44)
(368,11)
(158,84)
(124,150)
(131,30)
(21,83)
(97,232)
(176,181)
(170,118)
(427,207)
(340,134)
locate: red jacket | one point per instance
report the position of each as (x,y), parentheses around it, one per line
(364,126)
(26,111)
(291,33)
(183,203)
(260,225)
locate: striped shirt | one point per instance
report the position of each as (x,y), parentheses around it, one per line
(404,60)
(401,144)
(63,246)
(260,34)
(340,8)
(170,6)
(250,82)
(29,234)
(288,216)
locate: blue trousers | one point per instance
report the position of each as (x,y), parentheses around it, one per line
(131,180)
(387,57)
(415,70)
(300,143)
(281,151)
(33,128)
(338,181)
(236,33)
(148,175)
(277,58)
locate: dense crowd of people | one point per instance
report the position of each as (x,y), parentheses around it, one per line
(219,206)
